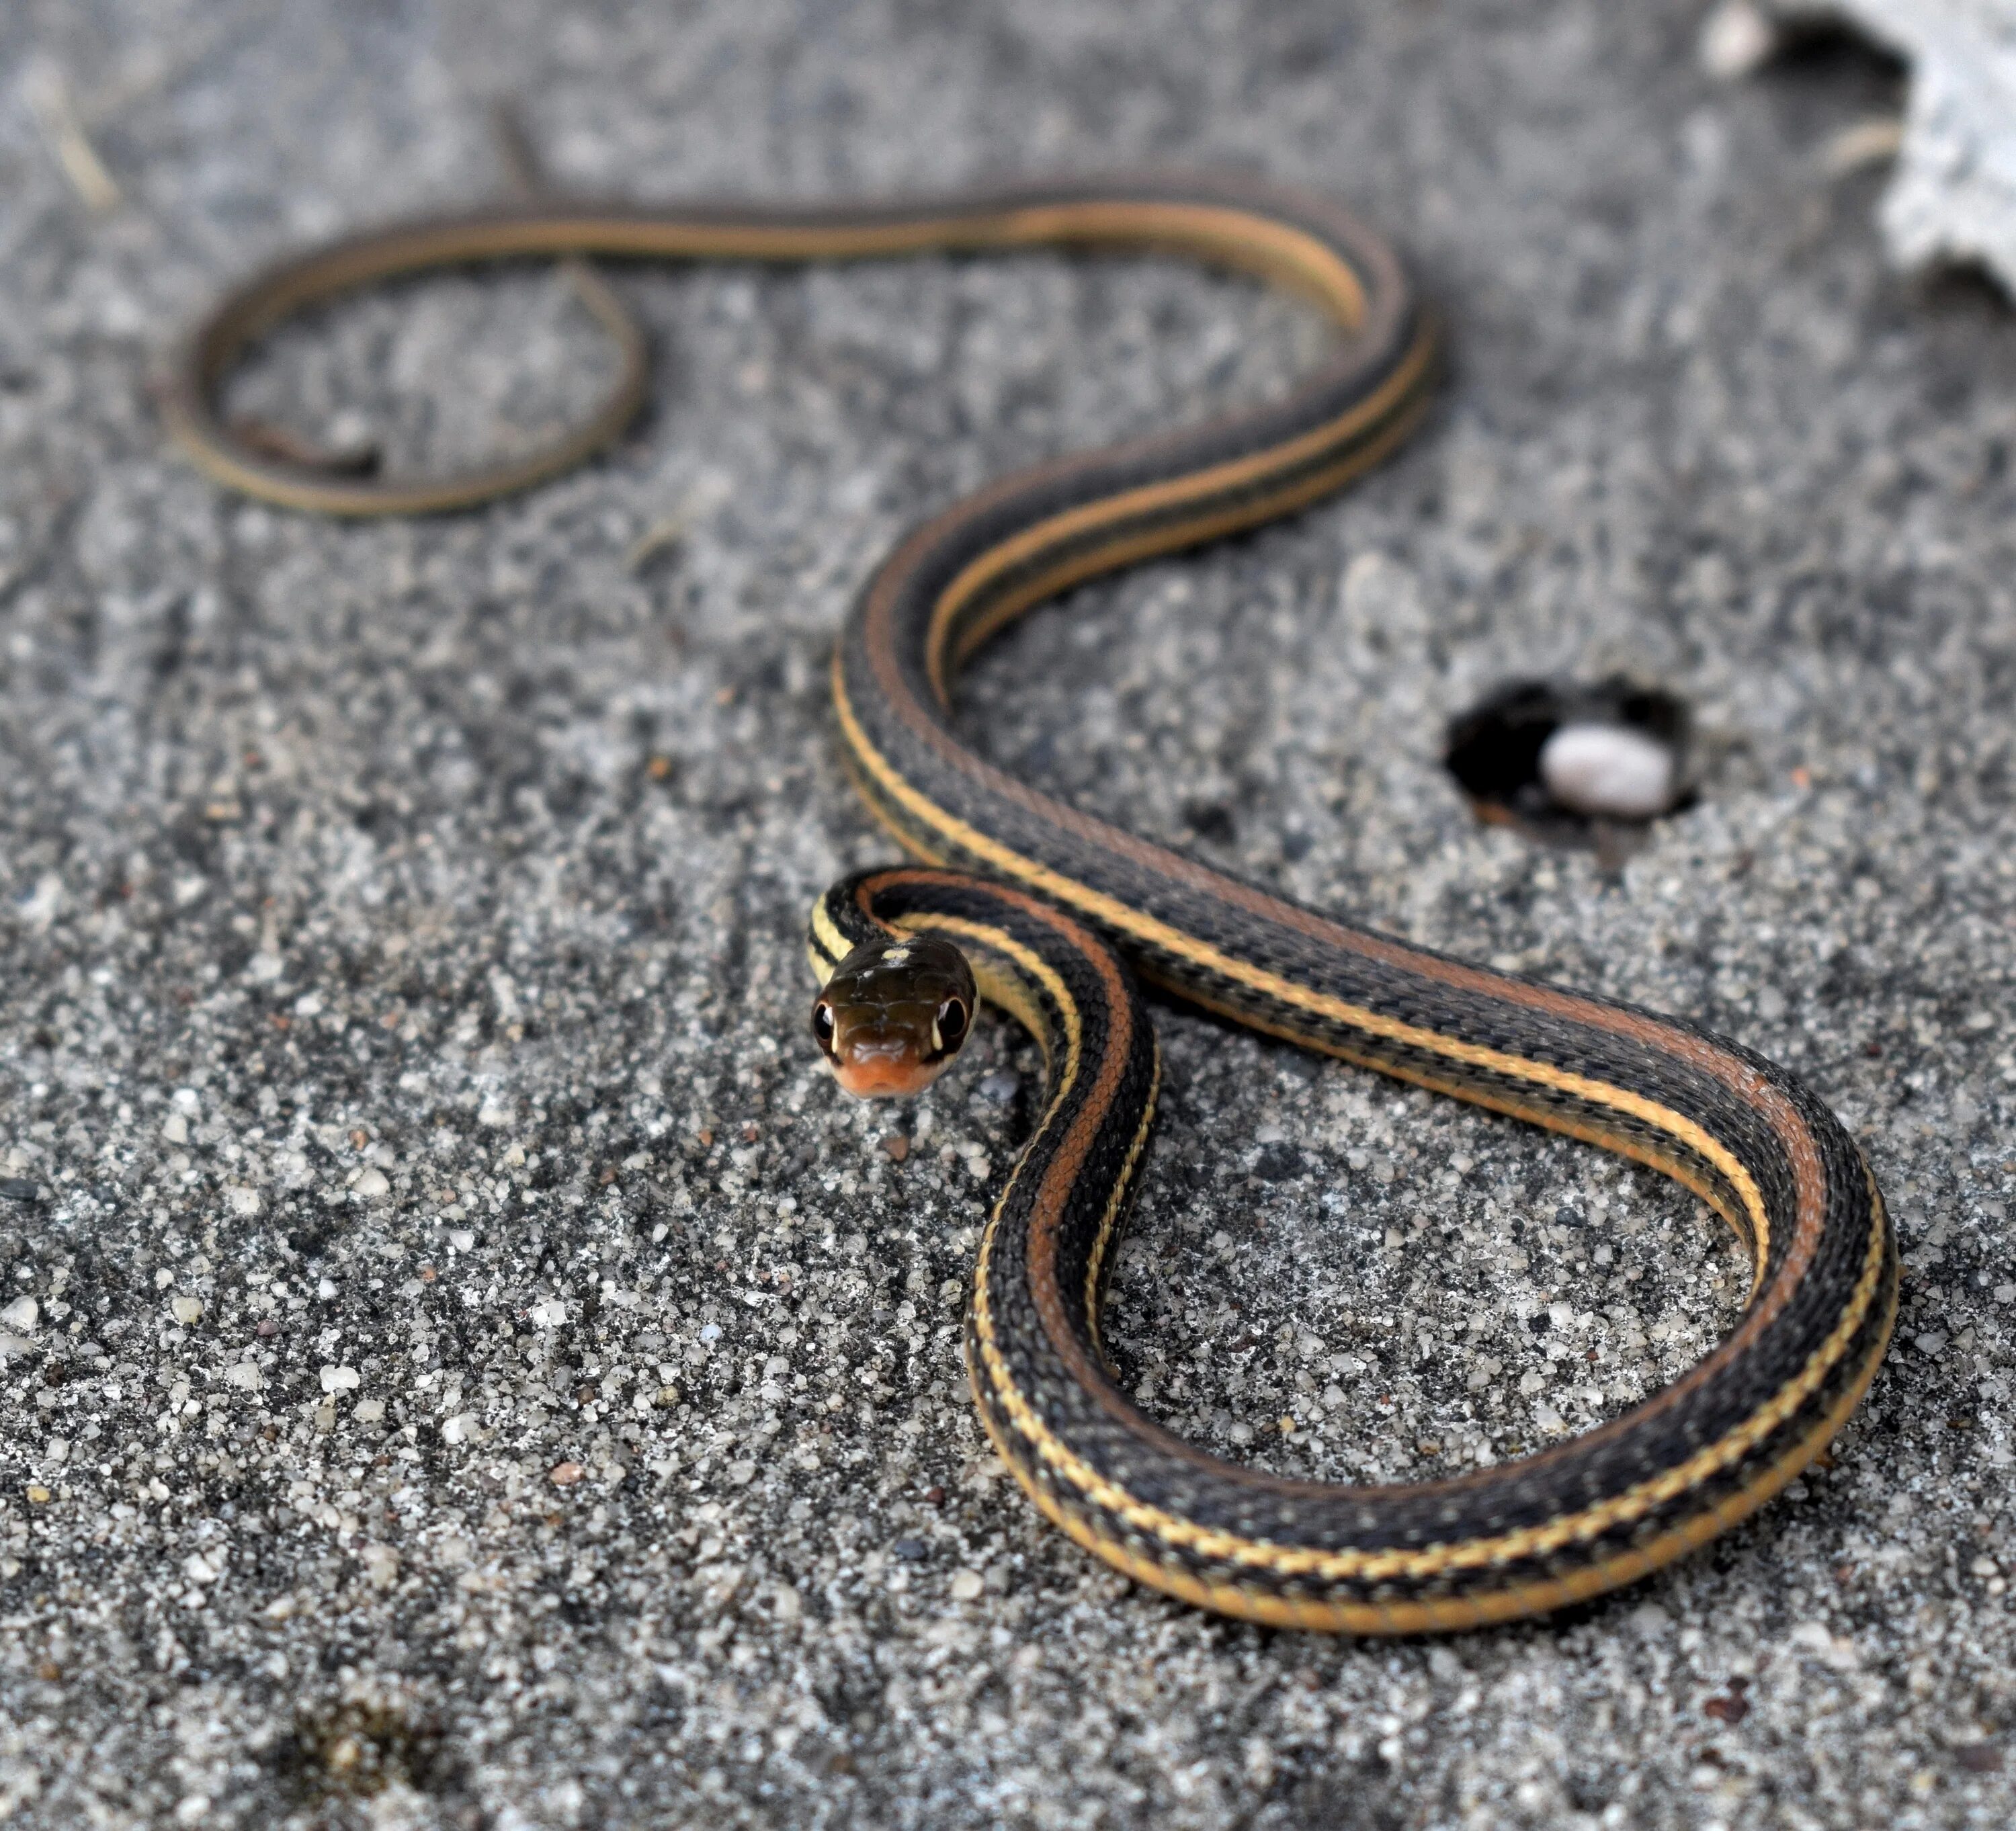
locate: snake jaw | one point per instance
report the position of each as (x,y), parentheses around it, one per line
(882,1068)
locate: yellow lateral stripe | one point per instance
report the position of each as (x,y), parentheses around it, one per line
(1157,540)
(1220,478)
(1041,971)
(1122,1183)
(828,933)
(1618,1144)
(1432,1615)
(1111,912)
(1551,1536)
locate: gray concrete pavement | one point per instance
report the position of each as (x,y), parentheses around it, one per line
(466,1366)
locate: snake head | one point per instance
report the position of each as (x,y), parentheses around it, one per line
(893,1013)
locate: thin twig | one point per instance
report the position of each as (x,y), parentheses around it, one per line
(62,127)
(1868,143)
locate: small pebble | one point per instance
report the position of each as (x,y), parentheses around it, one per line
(21,1316)
(1736,39)
(1608,770)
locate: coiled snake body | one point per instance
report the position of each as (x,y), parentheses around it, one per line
(1034,895)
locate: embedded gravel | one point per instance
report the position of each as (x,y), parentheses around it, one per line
(463,1363)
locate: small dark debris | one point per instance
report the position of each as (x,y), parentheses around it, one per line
(356,1750)
(1493,751)
(1279,1163)
(1211,820)
(1979,1757)
(1727,1710)
(911,1551)
(19,1188)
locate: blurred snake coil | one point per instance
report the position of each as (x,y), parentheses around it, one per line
(1040,896)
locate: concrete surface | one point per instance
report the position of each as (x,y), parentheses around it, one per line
(465,1365)
(1952,197)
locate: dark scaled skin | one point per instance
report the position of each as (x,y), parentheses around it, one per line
(893,1014)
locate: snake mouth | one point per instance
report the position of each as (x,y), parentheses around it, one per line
(873,1057)
(873,1073)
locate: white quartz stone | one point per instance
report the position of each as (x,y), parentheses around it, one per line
(1608,770)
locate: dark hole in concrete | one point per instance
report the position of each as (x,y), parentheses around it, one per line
(1494,751)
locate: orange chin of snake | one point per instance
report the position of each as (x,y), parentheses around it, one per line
(881,1068)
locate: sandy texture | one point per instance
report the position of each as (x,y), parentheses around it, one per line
(464,1364)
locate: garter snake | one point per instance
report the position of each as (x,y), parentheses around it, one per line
(1033,894)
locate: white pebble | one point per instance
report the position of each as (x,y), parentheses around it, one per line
(966,1585)
(21,1314)
(372,1184)
(187,1309)
(340,1379)
(1608,769)
(1736,40)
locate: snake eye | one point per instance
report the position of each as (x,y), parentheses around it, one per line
(823,1026)
(949,1027)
